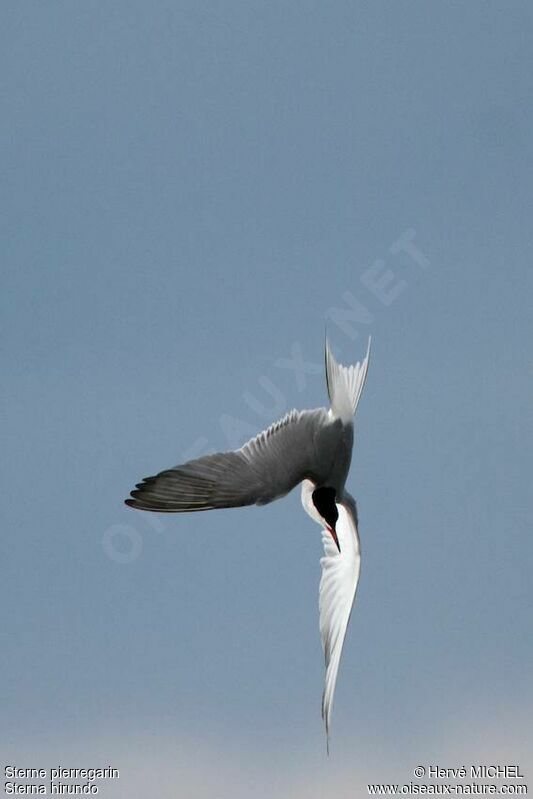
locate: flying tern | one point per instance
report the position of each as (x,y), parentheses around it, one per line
(311,447)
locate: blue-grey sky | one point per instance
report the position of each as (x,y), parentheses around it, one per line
(189,190)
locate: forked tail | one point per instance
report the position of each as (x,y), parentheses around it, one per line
(345,384)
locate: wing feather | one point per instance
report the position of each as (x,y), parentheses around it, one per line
(338,584)
(265,468)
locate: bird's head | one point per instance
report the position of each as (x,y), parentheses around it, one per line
(324,502)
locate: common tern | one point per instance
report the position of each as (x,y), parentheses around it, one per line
(311,447)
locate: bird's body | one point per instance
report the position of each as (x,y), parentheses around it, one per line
(311,447)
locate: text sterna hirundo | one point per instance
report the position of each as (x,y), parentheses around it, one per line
(312,447)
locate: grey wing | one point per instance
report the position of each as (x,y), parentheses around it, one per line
(265,468)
